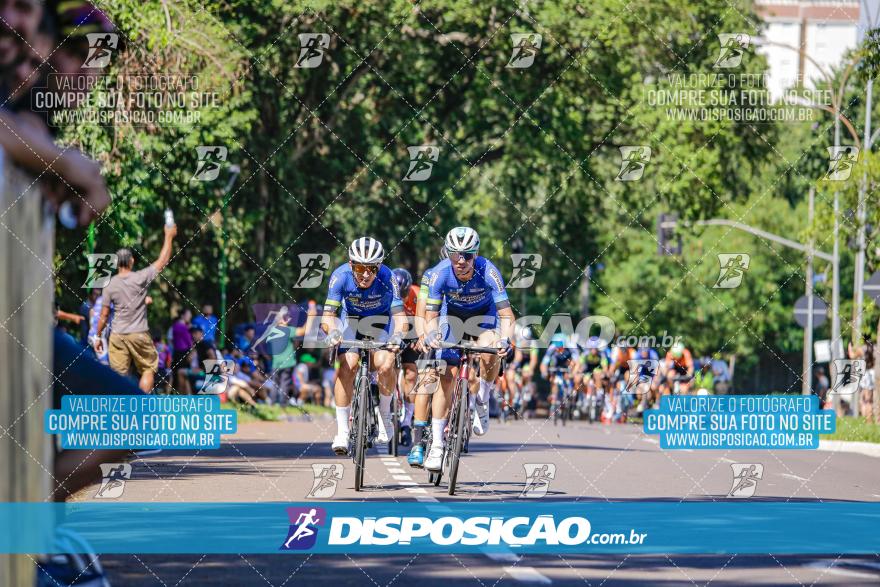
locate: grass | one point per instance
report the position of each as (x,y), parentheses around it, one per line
(264,413)
(855,429)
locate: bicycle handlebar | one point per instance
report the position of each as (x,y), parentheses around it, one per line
(369,345)
(468,346)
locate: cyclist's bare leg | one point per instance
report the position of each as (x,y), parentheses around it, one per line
(386,374)
(441,402)
(342,386)
(410,376)
(489,364)
(342,390)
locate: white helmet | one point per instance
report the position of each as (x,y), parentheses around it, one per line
(366,250)
(462,239)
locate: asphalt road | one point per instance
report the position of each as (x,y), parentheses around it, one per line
(274,462)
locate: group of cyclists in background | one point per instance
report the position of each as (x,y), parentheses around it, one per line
(415,365)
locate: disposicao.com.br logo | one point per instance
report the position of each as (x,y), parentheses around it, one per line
(471,531)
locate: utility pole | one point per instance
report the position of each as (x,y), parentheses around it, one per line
(223,267)
(807,378)
(835,271)
(861,218)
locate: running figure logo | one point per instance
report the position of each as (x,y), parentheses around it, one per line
(101,47)
(101,267)
(312,46)
(538,477)
(327,477)
(421,162)
(733,268)
(733,47)
(303,531)
(429,371)
(312,268)
(848,375)
(217,374)
(633,161)
(525,267)
(113,478)
(841,161)
(745,479)
(641,371)
(210,158)
(277,320)
(525,48)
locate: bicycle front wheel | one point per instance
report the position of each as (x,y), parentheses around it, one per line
(458,427)
(362,398)
(395,423)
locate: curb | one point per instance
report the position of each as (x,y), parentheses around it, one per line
(865,448)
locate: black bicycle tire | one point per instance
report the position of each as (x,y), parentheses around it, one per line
(395,424)
(360,447)
(459,440)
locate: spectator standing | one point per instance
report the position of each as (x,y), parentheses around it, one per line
(181,343)
(867,385)
(822,386)
(127,293)
(721,375)
(207,321)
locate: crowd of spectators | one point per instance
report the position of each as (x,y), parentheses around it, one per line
(254,372)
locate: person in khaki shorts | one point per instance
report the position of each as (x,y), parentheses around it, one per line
(130,341)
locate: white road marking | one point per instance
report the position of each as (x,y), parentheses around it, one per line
(527,575)
(521,574)
(795,477)
(508,557)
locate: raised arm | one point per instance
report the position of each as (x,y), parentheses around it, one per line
(165,253)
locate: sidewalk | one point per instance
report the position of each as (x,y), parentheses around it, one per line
(865,448)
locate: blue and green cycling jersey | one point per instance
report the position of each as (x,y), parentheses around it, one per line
(382,297)
(482,294)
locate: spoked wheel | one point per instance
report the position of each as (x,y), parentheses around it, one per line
(361,401)
(395,424)
(458,425)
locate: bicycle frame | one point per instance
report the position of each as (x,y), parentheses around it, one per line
(459,422)
(364,424)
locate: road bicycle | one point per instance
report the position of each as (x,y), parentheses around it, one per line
(458,426)
(364,407)
(564,395)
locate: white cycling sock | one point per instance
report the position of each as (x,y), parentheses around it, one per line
(437,431)
(485,390)
(342,415)
(409,408)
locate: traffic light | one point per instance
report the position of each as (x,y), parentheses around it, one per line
(668,241)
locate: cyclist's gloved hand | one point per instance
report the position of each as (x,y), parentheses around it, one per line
(433,338)
(396,339)
(503,346)
(333,338)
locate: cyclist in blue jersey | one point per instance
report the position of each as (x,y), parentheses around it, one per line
(648,377)
(472,291)
(428,381)
(368,295)
(558,356)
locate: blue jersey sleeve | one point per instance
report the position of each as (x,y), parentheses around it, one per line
(493,278)
(435,287)
(387,277)
(335,289)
